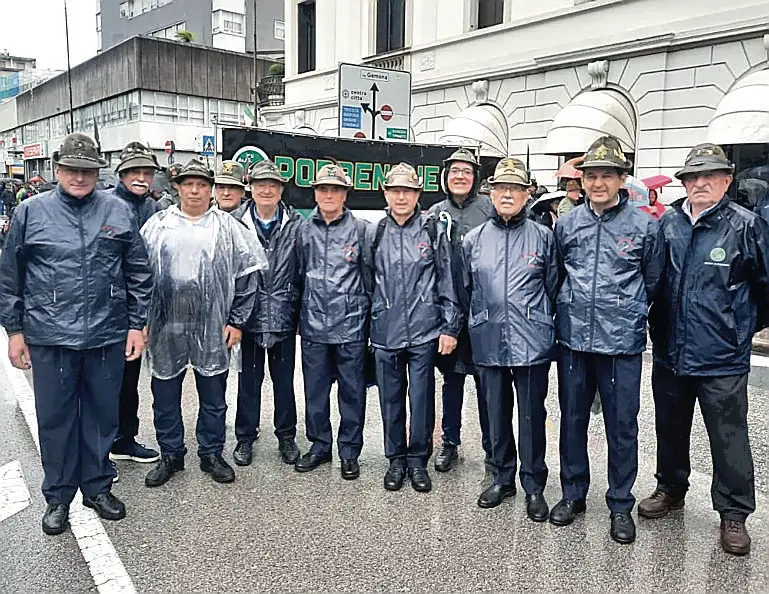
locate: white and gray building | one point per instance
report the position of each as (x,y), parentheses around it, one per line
(222,24)
(546,78)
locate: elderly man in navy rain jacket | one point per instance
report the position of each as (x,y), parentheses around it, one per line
(510,272)
(271,330)
(74,289)
(463,209)
(611,256)
(332,322)
(414,317)
(715,296)
(136,169)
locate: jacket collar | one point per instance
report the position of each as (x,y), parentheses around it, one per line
(706,217)
(127,194)
(414,215)
(513,222)
(609,213)
(318,218)
(71,200)
(467,202)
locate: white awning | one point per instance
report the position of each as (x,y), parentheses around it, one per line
(742,117)
(589,116)
(482,124)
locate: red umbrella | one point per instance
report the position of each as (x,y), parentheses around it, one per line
(37,180)
(656,181)
(567,169)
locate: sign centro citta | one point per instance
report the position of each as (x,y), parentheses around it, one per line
(374,103)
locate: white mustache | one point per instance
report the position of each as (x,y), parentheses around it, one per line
(139,184)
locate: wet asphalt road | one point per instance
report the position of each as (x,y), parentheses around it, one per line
(275,529)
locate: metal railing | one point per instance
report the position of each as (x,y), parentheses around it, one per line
(271,91)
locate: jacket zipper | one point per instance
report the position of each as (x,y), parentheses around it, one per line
(84,268)
(325,273)
(680,303)
(403,277)
(507,275)
(595,280)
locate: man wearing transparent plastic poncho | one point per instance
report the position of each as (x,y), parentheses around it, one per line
(204,290)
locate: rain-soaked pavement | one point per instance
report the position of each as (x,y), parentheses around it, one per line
(275,529)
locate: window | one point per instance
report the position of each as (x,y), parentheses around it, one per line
(390,25)
(98,22)
(279,30)
(490,13)
(126,10)
(306,35)
(166,107)
(224,112)
(223,21)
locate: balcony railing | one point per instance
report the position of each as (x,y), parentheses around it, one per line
(398,60)
(271,91)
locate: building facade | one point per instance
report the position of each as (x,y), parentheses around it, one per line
(546,78)
(159,92)
(223,24)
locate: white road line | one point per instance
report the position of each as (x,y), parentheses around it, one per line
(14,494)
(759,361)
(100,555)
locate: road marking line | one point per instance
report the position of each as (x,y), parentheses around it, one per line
(104,564)
(14,494)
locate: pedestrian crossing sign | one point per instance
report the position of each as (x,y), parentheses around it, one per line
(209,148)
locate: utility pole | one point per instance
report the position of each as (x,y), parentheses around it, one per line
(256,97)
(69,72)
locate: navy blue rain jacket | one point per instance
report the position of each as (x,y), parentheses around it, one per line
(715,291)
(143,207)
(74,272)
(610,266)
(510,272)
(335,304)
(413,300)
(276,310)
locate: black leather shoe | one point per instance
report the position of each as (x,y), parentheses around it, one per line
(310,461)
(395,475)
(446,458)
(106,505)
(164,470)
(56,518)
(495,495)
(565,511)
(244,453)
(350,469)
(536,507)
(622,527)
(289,451)
(217,467)
(420,480)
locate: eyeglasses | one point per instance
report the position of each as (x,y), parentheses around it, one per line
(465,171)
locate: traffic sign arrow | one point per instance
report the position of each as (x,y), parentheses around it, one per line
(371,108)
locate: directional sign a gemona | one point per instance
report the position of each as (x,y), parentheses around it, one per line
(374,103)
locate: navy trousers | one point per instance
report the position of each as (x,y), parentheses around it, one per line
(618,379)
(531,387)
(128,413)
(452,396)
(321,365)
(280,360)
(409,370)
(724,406)
(212,413)
(76,398)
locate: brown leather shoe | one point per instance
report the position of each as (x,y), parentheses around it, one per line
(734,537)
(658,504)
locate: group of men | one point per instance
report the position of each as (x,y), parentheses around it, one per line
(472,287)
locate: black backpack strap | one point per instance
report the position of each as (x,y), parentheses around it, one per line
(380,229)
